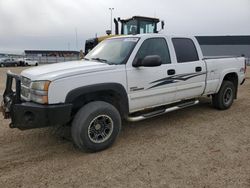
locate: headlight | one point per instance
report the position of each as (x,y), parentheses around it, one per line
(39,91)
(40,85)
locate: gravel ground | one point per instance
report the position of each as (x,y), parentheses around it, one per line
(193,147)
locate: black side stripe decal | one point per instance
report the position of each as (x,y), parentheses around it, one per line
(175,79)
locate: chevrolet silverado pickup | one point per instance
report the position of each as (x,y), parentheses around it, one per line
(123,78)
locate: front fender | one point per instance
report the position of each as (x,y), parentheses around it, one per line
(113,87)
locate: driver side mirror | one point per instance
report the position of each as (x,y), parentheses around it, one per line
(148,61)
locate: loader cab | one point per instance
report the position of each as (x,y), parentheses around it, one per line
(131,26)
(138,25)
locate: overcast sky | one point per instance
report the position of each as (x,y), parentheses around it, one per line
(51,24)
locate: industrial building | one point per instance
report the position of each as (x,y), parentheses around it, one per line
(2,55)
(225,45)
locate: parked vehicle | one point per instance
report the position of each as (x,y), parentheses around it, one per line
(27,62)
(124,78)
(30,62)
(20,61)
(8,62)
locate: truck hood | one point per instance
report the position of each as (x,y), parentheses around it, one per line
(61,70)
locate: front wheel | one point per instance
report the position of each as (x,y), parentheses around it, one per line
(225,97)
(96,126)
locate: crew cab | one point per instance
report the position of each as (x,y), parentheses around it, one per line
(123,78)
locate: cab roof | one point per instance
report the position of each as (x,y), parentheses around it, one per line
(141,18)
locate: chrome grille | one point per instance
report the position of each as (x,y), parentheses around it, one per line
(25,88)
(25,92)
(25,81)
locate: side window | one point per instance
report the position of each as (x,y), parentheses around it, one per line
(185,50)
(154,46)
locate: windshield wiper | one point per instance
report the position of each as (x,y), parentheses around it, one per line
(103,61)
(99,59)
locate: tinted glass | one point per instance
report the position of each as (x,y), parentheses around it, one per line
(147,27)
(130,27)
(155,46)
(185,50)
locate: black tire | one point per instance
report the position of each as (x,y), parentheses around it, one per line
(1,65)
(26,64)
(225,97)
(36,64)
(15,64)
(87,133)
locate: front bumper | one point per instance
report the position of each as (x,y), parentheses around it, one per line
(28,115)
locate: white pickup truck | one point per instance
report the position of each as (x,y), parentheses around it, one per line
(30,62)
(124,78)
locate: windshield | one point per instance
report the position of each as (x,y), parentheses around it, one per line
(113,51)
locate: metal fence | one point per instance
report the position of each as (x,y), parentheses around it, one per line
(248,61)
(46,60)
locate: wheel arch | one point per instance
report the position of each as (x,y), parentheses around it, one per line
(109,92)
(232,77)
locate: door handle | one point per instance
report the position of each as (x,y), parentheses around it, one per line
(171,72)
(198,69)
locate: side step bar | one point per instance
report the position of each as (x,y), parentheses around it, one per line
(162,111)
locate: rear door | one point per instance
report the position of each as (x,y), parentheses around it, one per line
(190,69)
(149,86)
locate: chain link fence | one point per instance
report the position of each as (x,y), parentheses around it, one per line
(248,61)
(52,59)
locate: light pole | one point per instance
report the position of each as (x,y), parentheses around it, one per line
(76,39)
(111,11)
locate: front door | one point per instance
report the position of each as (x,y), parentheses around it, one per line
(150,86)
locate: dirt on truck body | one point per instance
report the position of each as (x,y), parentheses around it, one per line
(193,147)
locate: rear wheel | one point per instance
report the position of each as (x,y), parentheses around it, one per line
(225,97)
(96,126)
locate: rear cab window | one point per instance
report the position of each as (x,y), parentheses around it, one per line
(185,50)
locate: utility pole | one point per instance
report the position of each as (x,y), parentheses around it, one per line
(76,39)
(111,21)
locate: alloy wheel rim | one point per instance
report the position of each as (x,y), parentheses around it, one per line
(100,129)
(228,95)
